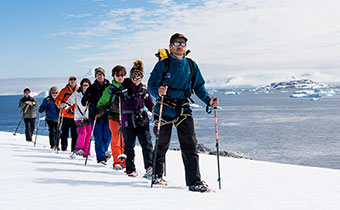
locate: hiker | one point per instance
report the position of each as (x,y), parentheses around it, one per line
(100,124)
(135,120)
(81,118)
(106,102)
(28,106)
(67,114)
(52,112)
(181,78)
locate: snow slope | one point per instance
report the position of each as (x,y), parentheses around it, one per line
(37,178)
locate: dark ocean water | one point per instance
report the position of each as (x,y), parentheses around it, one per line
(268,127)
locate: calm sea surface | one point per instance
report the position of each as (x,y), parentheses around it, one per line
(269,127)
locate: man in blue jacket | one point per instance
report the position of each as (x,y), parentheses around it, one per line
(176,78)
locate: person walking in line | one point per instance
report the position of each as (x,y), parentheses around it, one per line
(68,114)
(102,134)
(175,78)
(52,112)
(81,118)
(135,120)
(28,105)
(106,103)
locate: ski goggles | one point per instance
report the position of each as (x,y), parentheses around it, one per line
(176,44)
(136,79)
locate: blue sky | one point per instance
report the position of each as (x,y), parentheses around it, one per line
(230,38)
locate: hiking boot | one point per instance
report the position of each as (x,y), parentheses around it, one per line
(80,152)
(132,173)
(118,167)
(148,173)
(199,186)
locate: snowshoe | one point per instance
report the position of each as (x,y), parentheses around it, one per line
(199,186)
(80,152)
(107,155)
(160,181)
(118,167)
(102,162)
(132,173)
(73,155)
(148,173)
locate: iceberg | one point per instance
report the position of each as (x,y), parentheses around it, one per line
(316,93)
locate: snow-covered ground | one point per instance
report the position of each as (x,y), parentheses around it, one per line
(37,178)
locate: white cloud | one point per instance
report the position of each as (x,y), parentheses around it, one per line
(67,16)
(243,36)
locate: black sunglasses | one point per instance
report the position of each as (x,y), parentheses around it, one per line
(176,44)
(120,75)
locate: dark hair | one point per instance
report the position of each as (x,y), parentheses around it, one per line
(137,70)
(27,89)
(83,81)
(117,69)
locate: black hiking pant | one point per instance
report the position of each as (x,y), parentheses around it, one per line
(144,138)
(68,124)
(52,129)
(188,144)
(29,128)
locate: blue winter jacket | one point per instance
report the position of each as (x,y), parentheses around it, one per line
(177,79)
(48,105)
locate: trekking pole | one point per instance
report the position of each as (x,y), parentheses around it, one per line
(121,157)
(156,142)
(60,123)
(15,132)
(217,149)
(36,134)
(88,150)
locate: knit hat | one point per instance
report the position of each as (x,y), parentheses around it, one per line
(99,70)
(27,89)
(137,69)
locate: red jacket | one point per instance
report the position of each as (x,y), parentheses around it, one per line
(62,97)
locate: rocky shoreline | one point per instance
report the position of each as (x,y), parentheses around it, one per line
(205,150)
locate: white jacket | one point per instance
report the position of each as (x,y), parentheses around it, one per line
(75,98)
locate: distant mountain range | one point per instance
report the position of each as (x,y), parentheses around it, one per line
(40,86)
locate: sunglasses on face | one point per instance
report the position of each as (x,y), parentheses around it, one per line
(136,79)
(99,75)
(176,44)
(86,85)
(120,75)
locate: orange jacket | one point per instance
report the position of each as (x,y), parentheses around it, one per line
(62,97)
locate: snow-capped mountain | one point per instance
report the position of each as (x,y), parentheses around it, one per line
(301,84)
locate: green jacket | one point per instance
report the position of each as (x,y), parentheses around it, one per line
(30,112)
(105,103)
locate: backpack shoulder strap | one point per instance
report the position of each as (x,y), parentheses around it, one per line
(192,71)
(165,71)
